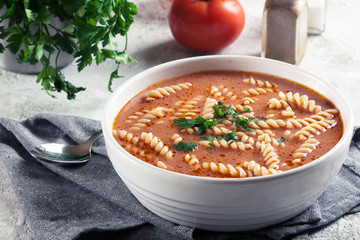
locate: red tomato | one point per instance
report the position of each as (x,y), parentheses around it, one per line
(206,25)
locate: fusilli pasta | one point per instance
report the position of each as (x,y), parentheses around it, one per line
(156,144)
(307,147)
(301,101)
(166,91)
(208,110)
(259,83)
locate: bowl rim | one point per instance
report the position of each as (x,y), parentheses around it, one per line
(347,130)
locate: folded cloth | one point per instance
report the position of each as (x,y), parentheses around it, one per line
(90,201)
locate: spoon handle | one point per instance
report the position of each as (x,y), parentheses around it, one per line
(91,140)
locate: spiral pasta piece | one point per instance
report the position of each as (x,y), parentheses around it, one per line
(192,130)
(187,108)
(134,116)
(258,170)
(127,136)
(327,114)
(298,123)
(228,94)
(314,129)
(288,112)
(161,164)
(240,108)
(222,92)
(266,138)
(301,101)
(248,100)
(239,145)
(146,119)
(245,138)
(192,160)
(307,147)
(225,169)
(269,123)
(219,130)
(265,131)
(257,91)
(225,122)
(215,92)
(277,103)
(176,138)
(166,91)
(270,157)
(156,144)
(259,83)
(134,149)
(208,110)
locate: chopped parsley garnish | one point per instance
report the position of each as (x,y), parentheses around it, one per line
(243,123)
(184,123)
(230,136)
(218,111)
(185,146)
(221,112)
(282,139)
(200,122)
(246,110)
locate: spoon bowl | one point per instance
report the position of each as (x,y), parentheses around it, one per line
(65,154)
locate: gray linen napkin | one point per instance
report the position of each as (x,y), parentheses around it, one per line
(90,201)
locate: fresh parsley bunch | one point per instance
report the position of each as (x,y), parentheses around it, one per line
(91,26)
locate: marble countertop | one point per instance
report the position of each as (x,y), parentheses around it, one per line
(333,56)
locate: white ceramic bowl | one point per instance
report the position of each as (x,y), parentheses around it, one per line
(225,204)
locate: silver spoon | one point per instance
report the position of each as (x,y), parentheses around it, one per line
(66,154)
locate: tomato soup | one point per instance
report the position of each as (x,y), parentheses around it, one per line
(229,124)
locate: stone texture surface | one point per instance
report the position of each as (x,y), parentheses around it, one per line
(333,56)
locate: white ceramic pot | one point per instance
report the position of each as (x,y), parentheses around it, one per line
(9,63)
(225,204)
(8,60)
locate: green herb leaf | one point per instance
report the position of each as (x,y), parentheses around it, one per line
(230,136)
(246,110)
(211,122)
(211,138)
(218,111)
(221,110)
(184,123)
(200,122)
(201,130)
(221,105)
(113,75)
(15,41)
(243,123)
(2,48)
(282,139)
(68,29)
(185,146)
(230,111)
